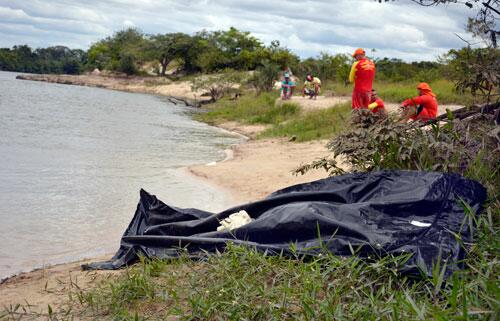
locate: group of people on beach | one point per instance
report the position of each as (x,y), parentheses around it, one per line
(311,86)
(423,107)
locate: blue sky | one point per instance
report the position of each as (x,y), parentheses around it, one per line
(400,29)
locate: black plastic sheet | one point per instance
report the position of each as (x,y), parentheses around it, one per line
(378,213)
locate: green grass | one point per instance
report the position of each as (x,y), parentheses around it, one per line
(285,120)
(397,92)
(249,109)
(319,124)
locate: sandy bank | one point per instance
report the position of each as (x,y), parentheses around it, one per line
(35,290)
(179,91)
(260,167)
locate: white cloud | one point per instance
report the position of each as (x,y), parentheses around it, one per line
(129,24)
(398,29)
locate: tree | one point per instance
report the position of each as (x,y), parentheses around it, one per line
(168,47)
(56,59)
(128,44)
(326,66)
(472,70)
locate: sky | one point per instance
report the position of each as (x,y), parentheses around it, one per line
(400,29)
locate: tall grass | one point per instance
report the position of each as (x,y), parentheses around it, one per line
(250,109)
(319,124)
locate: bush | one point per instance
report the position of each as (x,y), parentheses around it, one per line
(459,147)
(264,77)
(126,64)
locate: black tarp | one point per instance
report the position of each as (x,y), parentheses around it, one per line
(379,213)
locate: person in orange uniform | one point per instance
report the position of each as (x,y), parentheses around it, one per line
(424,107)
(362,75)
(376,104)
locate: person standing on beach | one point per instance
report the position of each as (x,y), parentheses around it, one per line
(362,75)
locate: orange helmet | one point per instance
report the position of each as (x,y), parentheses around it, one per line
(424,86)
(426,89)
(358,51)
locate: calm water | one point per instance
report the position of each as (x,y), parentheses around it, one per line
(72,161)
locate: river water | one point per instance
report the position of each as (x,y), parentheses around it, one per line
(72,162)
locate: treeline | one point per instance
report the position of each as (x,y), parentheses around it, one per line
(51,60)
(132,52)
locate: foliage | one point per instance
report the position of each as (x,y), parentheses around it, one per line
(325,66)
(397,70)
(265,76)
(476,70)
(228,49)
(123,51)
(374,144)
(126,65)
(58,59)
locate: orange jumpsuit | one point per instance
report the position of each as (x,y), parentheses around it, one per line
(362,74)
(426,104)
(377,106)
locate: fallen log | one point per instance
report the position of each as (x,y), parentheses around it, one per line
(466,112)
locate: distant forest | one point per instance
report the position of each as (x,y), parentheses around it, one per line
(134,53)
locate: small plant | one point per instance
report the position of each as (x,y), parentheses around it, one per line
(217,86)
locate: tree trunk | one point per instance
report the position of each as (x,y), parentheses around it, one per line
(164,63)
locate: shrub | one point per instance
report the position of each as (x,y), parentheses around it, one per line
(459,147)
